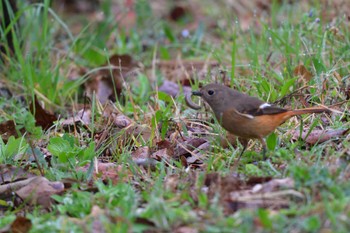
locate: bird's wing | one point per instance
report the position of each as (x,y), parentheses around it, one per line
(253,106)
(263,109)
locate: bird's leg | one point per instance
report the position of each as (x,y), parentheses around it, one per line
(244,143)
(263,143)
(240,155)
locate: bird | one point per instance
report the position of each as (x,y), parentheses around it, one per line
(246,116)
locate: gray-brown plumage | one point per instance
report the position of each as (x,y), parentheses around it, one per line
(246,116)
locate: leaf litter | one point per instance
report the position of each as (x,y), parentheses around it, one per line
(119,131)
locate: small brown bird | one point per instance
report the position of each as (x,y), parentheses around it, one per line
(246,116)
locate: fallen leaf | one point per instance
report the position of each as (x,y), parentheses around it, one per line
(173,89)
(104,171)
(8,129)
(38,190)
(253,180)
(318,135)
(107,83)
(178,12)
(21,225)
(165,144)
(304,76)
(120,120)
(272,200)
(103,88)
(338,77)
(138,134)
(141,153)
(273,185)
(236,194)
(165,149)
(162,154)
(10,173)
(197,153)
(83,117)
(43,118)
(171,182)
(188,146)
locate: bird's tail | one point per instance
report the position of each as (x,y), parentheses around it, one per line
(321,109)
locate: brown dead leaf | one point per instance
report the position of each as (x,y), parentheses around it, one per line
(235,193)
(38,190)
(178,12)
(75,72)
(141,153)
(165,150)
(197,154)
(338,77)
(273,185)
(171,182)
(21,225)
(107,83)
(8,129)
(214,183)
(304,76)
(83,117)
(120,120)
(11,179)
(253,180)
(162,154)
(173,89)
(111,117)
(108,171)
(10,173)
(138,134)
(103,88)
(319,135)
(275,194)
(43,118)
(104,171)
(188,146)
(165,144)
(122,61)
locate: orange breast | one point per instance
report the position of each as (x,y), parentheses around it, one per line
(256,127)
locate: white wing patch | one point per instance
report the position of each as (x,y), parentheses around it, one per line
(247,115)
(264,105)
(244,114)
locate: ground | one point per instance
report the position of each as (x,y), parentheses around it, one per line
(96,135)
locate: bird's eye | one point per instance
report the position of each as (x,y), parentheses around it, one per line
(210,92)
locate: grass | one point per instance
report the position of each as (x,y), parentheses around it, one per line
(260,61)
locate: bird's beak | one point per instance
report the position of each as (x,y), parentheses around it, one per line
(198,93)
